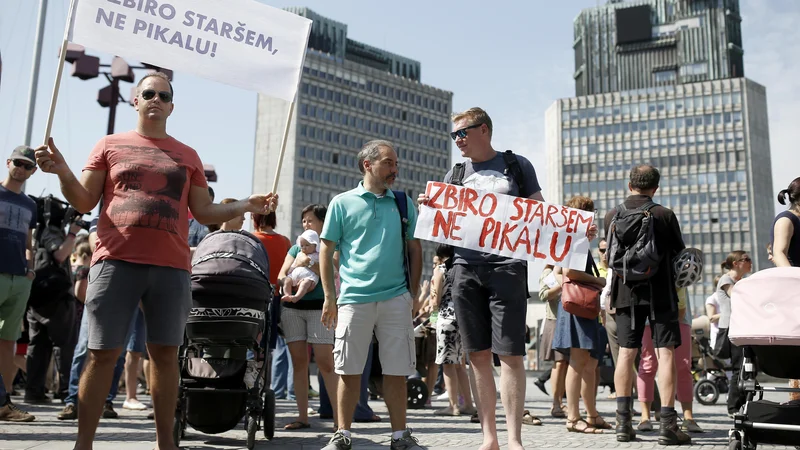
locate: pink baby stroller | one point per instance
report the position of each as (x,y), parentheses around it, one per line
(765,321)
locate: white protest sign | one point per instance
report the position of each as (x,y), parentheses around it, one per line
(238,42)
(503,225)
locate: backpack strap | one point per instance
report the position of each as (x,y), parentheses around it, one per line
(514,169)
(648,206)
(458,174)
(402,207)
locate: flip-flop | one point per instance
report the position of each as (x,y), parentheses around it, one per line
(529,419)
(297,425)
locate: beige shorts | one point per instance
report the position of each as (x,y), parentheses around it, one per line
(390,320)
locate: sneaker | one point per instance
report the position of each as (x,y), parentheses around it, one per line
(152,415)
(443,396)
(312,393)
(339,442)
(10,413)
(70,412)
(134,405)
(108,411)
(671,433)
(407,442)
(690,426)
(540,384)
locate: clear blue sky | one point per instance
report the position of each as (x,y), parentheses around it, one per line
(512,58)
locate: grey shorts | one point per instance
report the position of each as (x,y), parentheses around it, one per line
(112,298)
(304,325)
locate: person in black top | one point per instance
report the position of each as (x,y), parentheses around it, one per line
(655,299)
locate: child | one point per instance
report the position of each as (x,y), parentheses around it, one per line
(302,276)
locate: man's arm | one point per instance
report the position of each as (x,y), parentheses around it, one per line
(68,245)
(329,311)
(83,194)
(207,212)
(537,196)
(415,265)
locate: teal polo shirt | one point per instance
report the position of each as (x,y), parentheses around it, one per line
(367,229)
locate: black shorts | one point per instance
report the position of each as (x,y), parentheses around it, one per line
(665,328)
(491,305)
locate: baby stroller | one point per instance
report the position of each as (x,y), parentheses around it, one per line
(710,379)
(765,322)
(219,383)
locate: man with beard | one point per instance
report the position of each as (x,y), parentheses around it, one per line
(377,288)
(17,222)
(149,182)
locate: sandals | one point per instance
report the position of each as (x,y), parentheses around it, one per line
(582,426)
(558,412)
(297,425)
(529,419)
(598,422)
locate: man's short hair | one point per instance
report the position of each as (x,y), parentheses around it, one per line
(475,116)
(644,177)
(161,75)
(371,151)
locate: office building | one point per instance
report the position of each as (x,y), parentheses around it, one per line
(350,93)
(709,139)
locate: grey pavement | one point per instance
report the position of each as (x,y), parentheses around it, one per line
(132,431)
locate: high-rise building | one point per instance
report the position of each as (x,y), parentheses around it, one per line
(623,46)
(350,93)
(709,139)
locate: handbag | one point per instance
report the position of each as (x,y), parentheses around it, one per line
(582,299)
(722,347)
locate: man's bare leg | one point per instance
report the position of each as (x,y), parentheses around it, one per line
(349,393)
(164,390)
(512,394)
(486,397)
(7,367)
(95,383)
(666,376)
(395,394)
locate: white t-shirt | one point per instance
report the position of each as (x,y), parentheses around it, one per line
(712,300)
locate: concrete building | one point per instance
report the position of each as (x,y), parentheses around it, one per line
(623,46)
(709,139)
(350,93)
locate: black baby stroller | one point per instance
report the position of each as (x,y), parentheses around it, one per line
(764,322)
(231,296)
(710,379)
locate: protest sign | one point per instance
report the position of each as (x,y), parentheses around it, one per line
(503,225)
(242,43)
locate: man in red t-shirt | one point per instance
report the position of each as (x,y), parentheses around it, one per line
(149,182)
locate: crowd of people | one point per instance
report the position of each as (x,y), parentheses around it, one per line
(351,280)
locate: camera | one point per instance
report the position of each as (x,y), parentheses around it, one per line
(56,212)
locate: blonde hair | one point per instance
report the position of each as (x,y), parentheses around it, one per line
(475,116)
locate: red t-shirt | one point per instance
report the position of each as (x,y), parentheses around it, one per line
(144,217)
(277,246)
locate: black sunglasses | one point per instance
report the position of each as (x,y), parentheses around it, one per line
(23,164)
(601,250)
(746,259)
(165,96)
(462,133)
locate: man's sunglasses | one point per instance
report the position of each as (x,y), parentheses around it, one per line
(462,133)
(24,165)
(601,250)
(165,96)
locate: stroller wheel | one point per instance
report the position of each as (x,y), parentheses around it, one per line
(706,392)
(252,428)
(268,414)
(417,393)
(177,428)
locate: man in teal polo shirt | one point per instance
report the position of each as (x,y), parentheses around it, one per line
(365,223)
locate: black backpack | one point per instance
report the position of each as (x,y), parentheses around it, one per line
(53,280)
(632,251)
(512,168)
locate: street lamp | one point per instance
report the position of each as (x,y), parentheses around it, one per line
(87,67)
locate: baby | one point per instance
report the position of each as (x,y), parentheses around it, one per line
(302,276)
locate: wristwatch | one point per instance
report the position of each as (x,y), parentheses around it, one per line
(30,271)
